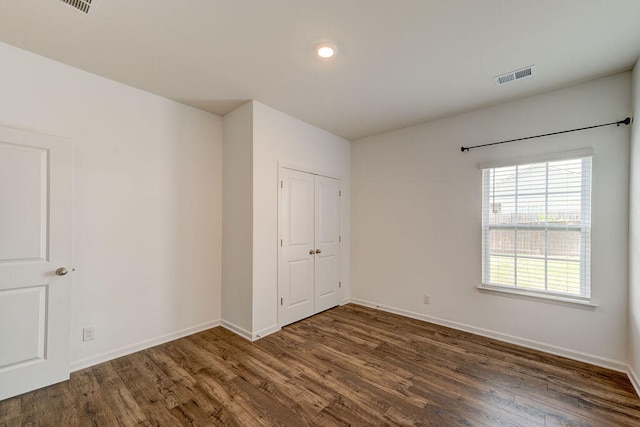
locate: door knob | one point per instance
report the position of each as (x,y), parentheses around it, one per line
(311,252)
(318,251)
(62,271)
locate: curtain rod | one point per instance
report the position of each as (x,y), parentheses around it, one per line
(618,123)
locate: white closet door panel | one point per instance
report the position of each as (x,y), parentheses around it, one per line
(300,202)
(300,275)
(327,220)
(297,263)
(327,277)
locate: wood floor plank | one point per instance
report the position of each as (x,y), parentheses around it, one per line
(526,358)
(90,399)
(275,377)
(10,408)
(124,407)
(350,366)
(196,405)
(486,397)
(559,418)
(237,406)
(143,389)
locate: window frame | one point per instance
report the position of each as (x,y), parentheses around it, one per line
(584,228)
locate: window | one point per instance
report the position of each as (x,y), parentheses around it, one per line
(536,226)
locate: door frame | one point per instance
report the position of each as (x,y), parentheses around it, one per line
(316,172)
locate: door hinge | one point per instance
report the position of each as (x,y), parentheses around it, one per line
(280,242)
(339,193)
(281,184)
(339,238)
(339,284)
(280,301)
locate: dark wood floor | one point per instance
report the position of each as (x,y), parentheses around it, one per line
(347,366)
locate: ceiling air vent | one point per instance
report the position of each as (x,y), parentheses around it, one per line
(515,75)
(81,5)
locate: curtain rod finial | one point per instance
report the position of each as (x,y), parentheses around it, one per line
(463,149)
(624,122)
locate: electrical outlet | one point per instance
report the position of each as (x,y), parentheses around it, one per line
(426,299)
(89,333)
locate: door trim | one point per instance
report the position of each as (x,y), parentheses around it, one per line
(312,171)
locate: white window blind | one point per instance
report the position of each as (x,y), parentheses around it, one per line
(536,226)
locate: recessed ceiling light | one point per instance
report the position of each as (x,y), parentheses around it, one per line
(325,50)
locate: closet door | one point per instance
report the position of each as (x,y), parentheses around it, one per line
(327,238)
(297,246)
(310,245)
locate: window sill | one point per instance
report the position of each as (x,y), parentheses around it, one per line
(535,296)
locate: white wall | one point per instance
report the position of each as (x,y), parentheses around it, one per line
(146,202)
(416,203)
(237,220)
(634,234)
(282,138)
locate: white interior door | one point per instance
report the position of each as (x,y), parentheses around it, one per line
(35,240)
(298,250)
(310,244)
(327,237)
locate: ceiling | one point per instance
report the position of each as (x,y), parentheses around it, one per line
(399,62)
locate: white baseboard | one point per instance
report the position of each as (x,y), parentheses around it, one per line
(266,331)
(242,332)
(535,345)
(142,345)
(635,380)
(237,330)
